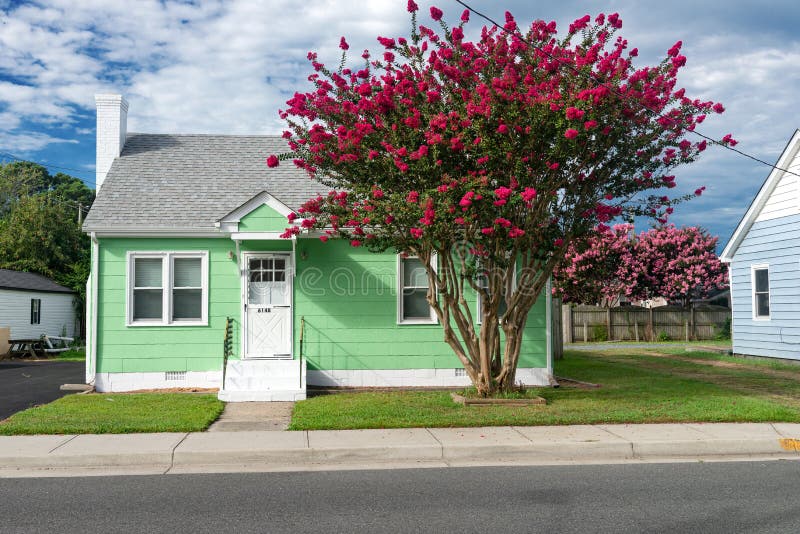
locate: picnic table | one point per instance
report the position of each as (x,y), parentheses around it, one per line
(38,347)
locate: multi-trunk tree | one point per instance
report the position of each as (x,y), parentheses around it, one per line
(489,156)
(679,264)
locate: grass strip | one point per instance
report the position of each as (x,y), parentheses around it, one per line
(119,413)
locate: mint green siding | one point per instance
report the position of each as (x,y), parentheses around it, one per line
(263,219)
(122,348)
(346,296)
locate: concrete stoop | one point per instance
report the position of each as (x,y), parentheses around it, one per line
(264,381)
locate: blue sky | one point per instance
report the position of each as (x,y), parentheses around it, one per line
(228,66)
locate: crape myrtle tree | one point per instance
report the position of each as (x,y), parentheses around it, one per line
(595,269)
(482,157)
(676,263)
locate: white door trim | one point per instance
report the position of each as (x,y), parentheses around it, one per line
(245,257)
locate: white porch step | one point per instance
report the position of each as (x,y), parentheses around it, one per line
(228,395)
(264,380)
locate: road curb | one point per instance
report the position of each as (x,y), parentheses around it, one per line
(302,450)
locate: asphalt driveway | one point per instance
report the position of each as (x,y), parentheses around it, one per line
(24,384)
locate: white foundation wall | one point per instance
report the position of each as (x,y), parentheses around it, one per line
(115,382)
(414,378)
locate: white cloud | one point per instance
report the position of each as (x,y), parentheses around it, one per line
(20,143)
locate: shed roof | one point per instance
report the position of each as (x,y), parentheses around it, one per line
(22,281)
(188,182)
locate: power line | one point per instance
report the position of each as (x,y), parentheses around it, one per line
(518,34)
(16,158)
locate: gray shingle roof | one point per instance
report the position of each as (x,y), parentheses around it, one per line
(29,282)
(190,181)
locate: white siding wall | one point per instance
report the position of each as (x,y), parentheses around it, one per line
(785,199)
(57,313)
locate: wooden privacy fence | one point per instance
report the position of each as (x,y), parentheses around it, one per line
(632,323)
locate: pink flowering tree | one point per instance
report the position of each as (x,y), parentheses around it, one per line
(675,263)
(489,156)
(595,269)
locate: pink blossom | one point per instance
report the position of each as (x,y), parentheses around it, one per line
(272,161)
(386,42)
(502,129)
(719,108)
(355,243)
(465,16)
(516,232)
(500,221)
(528,194)
(412,6)
(487,231)
(436,13)
(292,216)
(575,113)
(729,140)
(503,192)
(343,44)
(571,133)
(588,125)
(412,197)
(323,238)
(416,233)
(377,193)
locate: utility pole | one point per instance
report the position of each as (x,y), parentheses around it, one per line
(80,214)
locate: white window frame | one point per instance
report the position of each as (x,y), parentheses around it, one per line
(400,289)
(167,266)
(478,297)
(753,269)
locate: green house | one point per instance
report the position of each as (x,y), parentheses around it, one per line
(187,260)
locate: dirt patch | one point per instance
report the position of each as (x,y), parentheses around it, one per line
(788,375)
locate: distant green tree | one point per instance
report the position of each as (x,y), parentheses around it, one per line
(23,179)
(40,228)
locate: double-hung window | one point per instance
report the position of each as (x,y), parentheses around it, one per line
(36,311)
(760,280)
(167,288)
(412,301)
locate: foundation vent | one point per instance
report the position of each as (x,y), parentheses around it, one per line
(172,376)
(460,372)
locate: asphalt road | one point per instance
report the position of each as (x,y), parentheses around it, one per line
(681,497)
(25,383)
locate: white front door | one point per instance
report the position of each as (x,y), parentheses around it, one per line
(268,306)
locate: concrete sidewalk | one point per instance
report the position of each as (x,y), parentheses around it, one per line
(415,447)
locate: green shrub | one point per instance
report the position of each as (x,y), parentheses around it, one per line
(600,332)
(663,336)
(724,333)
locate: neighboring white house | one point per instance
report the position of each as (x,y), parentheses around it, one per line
(32,305)
(764,259)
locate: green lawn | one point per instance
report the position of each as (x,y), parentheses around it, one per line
(636,388)
(117,414)
(72,355)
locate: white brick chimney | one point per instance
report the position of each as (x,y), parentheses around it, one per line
(112,126)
